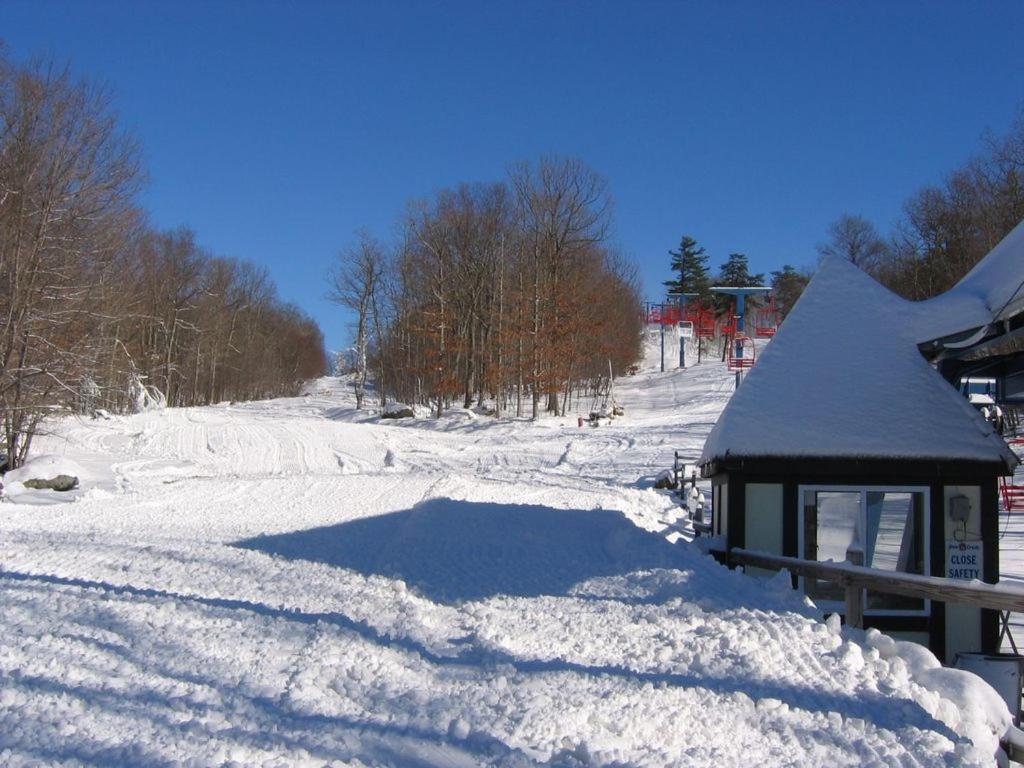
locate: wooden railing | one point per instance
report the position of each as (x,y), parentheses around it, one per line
(856,578)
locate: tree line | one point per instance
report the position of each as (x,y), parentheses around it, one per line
(100,310)
(943,232)
(504,295)
(945,229)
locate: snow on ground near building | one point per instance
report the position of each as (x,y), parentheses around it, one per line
(293,583)
(1011,561)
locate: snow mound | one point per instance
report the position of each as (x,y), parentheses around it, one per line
(960,699)
(44,467)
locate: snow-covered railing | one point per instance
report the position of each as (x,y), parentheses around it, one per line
(856,578)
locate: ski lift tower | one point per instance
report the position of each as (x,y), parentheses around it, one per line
(741,295)
(682,298)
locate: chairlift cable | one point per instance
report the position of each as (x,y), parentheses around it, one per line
(1013,295)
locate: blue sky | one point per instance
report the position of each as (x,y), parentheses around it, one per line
(276,130)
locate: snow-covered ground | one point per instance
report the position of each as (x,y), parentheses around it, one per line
(294,583)
(1011,560)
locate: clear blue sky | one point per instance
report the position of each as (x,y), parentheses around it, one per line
(275,130)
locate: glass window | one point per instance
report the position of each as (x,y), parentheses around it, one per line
(895,542)
(880,528)
(831,531)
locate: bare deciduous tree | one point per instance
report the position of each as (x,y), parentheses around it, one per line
(500,291)
(96,309)
(855,239)
(564,208)
(946,229)
(355,283)
(67,177)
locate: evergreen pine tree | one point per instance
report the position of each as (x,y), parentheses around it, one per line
(788,284)
(691,264)
(736,273)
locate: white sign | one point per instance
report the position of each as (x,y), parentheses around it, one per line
(686,329)
(964,560)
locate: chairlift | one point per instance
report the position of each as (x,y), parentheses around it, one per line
(663,314)
(742,353)
(701,320)
(706,324)
(767,322)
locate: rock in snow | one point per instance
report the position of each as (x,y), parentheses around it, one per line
(398,411)
(59,483)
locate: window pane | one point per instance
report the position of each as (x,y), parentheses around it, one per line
(880,529)
(895,542)
(831,532)
(838,525)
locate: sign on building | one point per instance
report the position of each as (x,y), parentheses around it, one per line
(964,560)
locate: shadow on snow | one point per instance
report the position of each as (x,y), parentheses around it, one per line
(293,728)
(452,550)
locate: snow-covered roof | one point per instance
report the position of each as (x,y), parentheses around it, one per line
(993,290)
(844,378)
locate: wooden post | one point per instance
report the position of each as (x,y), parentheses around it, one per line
(854,605)
(854,592)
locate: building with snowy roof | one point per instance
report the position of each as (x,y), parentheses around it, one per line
(846,443)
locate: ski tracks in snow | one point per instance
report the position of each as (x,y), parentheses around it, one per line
(295,583)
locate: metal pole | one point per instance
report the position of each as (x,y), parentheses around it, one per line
(661,322)
(740,327)
(741,321)
(679,328)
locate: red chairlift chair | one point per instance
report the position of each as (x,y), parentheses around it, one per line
(1013,495)
(671,315)
(767,320)
(748,347)
(703,322)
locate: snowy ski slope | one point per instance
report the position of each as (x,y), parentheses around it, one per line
(294,583)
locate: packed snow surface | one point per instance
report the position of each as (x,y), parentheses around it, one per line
(294,583)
